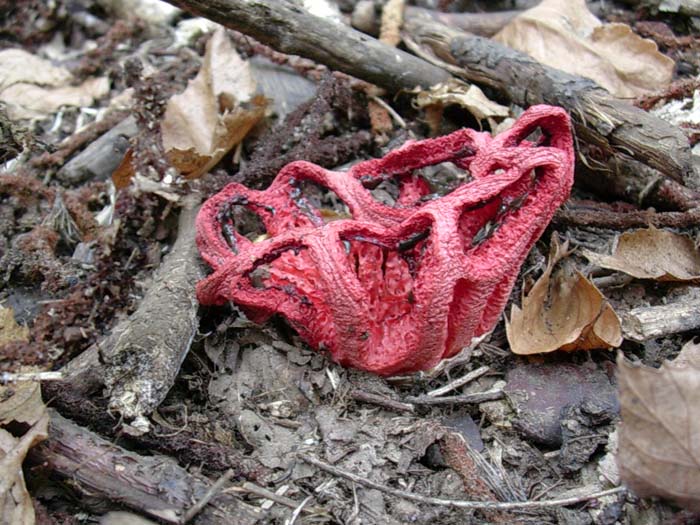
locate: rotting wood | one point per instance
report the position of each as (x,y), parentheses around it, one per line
(602,122)
(290,29)
(601,218)
(649,322)
(146,351)
(154,485)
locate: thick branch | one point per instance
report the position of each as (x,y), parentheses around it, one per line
(148,349)
(603,123)
(155,485)
(292,30)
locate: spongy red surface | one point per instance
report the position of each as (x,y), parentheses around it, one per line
(394,289)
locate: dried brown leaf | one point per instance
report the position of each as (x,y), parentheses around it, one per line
(16,506)
(469,97)
(563,311)
(652,254)
(10,331)
(121,177)
(33,87)
(214,113)
(564,34)
(659,449)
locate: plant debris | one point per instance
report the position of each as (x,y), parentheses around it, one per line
(566,35)
(652,253)
(214,113)
(658,450)
(563,311)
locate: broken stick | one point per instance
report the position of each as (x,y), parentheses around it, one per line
(649,322)
(145,352)
(154,485)
(291,29)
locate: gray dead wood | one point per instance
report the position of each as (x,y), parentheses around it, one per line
(145,352)
(610,131)
(605,127)
(644,323)
(290,29)
(154,485)
(101,158)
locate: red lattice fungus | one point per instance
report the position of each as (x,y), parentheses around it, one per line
(396,287)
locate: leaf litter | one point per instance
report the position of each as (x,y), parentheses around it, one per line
(659,451)
(566,35)
(563,311)
(259,395)
(19,403)
(652,253)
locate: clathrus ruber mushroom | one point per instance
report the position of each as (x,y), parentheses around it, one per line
(393,288)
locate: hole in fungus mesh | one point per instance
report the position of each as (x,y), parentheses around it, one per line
(236,216)
(291,271)
(443,178)
(308,196)
(478,223)
(538,137)
(386,191)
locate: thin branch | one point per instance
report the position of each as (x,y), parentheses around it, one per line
(460,381)
(476,397)
(456,503)
(213,491)
(376,399)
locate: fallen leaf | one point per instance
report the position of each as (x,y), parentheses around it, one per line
(659,450)
(19,66)
(565,35)
(470,97)
(652,254)
(121,177)
(19,403)
(16,506)
(10,331)
(214,113)
(32,87)
(563,311)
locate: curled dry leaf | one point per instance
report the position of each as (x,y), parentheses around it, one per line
(659,450)
(214,113)
(469,97)
(563,311)
(33,87)
(564,34)
(16,506)
(652,254)
(21,403)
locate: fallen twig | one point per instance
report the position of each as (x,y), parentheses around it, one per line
(376,399)
(208,496)
(6,377)
(476,397)
(154,485)
(292,30)
(460,381)
(614,220)
(455,503)
(649,322)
